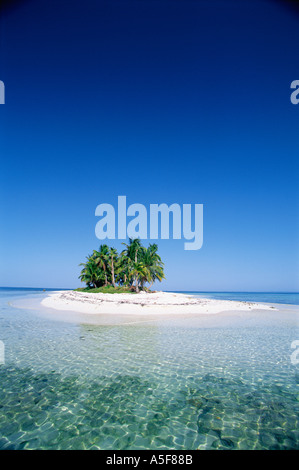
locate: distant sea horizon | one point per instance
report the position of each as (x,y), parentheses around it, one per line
(290,298)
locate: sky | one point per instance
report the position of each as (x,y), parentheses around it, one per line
(162,101)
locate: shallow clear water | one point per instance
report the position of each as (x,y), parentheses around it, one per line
(214,382)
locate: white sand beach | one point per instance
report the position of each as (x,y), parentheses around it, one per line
(143,303)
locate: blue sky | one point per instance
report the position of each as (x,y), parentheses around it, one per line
(161,101)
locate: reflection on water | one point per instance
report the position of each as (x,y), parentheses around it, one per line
(209,383)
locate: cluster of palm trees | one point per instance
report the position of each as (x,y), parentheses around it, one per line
(135,266)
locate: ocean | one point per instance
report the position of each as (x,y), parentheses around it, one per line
(290,298)
(215,382)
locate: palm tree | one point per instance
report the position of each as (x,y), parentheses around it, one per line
(134,252)
(134,249)
(90,273)
(101,258)
(136,272)
(122,268)
(113,262)
(153,263)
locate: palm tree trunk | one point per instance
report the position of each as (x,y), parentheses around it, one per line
(136,279)
(112,272)
(106,280)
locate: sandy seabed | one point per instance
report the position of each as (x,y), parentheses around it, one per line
(143,303)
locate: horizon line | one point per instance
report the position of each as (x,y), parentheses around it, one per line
(199,291)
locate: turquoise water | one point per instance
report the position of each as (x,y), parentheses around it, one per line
(268,297)
(224,382)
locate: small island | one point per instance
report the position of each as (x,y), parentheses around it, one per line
(131,275)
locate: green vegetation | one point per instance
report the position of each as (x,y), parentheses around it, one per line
(105,289)
(107,271)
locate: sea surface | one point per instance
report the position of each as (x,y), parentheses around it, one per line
(227,381)
(264,297)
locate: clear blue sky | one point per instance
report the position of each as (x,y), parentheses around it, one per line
(161,101)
